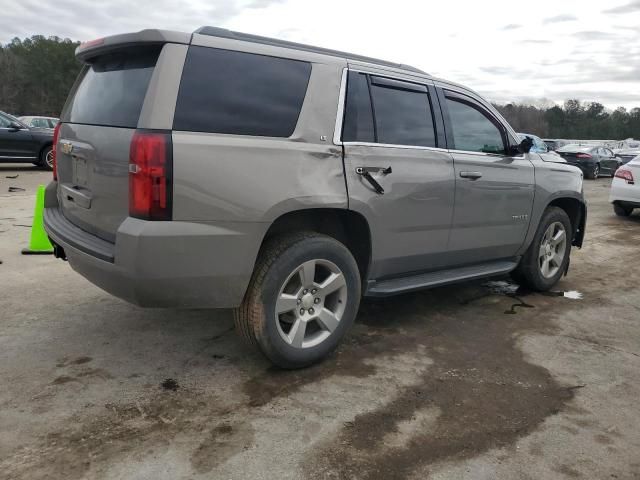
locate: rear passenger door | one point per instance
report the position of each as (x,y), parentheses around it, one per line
(494,190)
(399,176)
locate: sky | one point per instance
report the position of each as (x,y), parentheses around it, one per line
(534,52)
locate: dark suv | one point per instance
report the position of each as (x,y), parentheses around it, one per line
(285,181)
(20,143)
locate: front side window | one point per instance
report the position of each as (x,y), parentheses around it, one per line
(473,130)
(224,91)
(4,122)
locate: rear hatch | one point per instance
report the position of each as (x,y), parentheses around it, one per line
(97,126)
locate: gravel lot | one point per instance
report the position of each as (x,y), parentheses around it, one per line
(467,381)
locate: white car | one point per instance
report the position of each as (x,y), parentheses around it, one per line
(40,122)
(625,188)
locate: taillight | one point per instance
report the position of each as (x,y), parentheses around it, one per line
(625,175)
(56,133)
(150,175)
(583,155)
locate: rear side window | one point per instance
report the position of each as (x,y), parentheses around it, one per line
(403,116)
(224,91)
(473,130)
(111,89)
(383,110)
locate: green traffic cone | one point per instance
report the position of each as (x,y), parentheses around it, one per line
(39,243)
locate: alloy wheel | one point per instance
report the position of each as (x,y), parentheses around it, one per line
(311,303)
(552,249)
(49,158)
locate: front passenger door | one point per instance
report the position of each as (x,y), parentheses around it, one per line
(494,190)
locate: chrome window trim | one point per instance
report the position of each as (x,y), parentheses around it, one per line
(393,145)
(337,132)
(484,154)
(340,119)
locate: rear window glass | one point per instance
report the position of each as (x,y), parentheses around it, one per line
(112,88)
(240,93)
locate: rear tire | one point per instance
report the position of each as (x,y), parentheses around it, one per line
(622,211)
(302,299)
(46,158)
(546,259)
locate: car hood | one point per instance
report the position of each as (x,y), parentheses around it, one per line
(552,157)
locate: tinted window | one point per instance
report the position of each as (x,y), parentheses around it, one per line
(40,123)
(472,130)
(403,117)
(112,89)
(4,122)
(224,91)
(358,117)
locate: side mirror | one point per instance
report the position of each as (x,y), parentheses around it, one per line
(14,127)
(524,147)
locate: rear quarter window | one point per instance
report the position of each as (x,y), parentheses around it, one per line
(224,91)
(111,89)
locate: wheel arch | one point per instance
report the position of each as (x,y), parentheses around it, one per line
(348,227)
(576,210)
(43,147)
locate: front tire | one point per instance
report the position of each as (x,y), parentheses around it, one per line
(46,158)
(622,211)
(302,299)
(546,259)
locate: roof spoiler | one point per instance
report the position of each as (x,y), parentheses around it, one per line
(100,46)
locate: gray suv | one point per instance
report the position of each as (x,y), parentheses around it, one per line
(224,170)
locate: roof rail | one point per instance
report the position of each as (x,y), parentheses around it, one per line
(247,37)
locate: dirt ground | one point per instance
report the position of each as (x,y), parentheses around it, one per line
(470,381)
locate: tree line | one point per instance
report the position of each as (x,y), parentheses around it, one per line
(573,120)
(37,73)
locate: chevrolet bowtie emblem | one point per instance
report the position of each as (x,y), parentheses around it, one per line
(67,147)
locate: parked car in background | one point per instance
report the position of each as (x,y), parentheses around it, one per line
(40,122)
(539,146)
(225,170)
(625,188)
(627,155)
(20,143)
(553,145)
(628,144)
(592,160)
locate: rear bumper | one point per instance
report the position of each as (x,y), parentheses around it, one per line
(622,192)
(163,264)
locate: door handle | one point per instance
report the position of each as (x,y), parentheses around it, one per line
(471,175)
(365,172)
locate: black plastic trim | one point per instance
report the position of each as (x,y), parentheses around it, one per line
(64,233)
